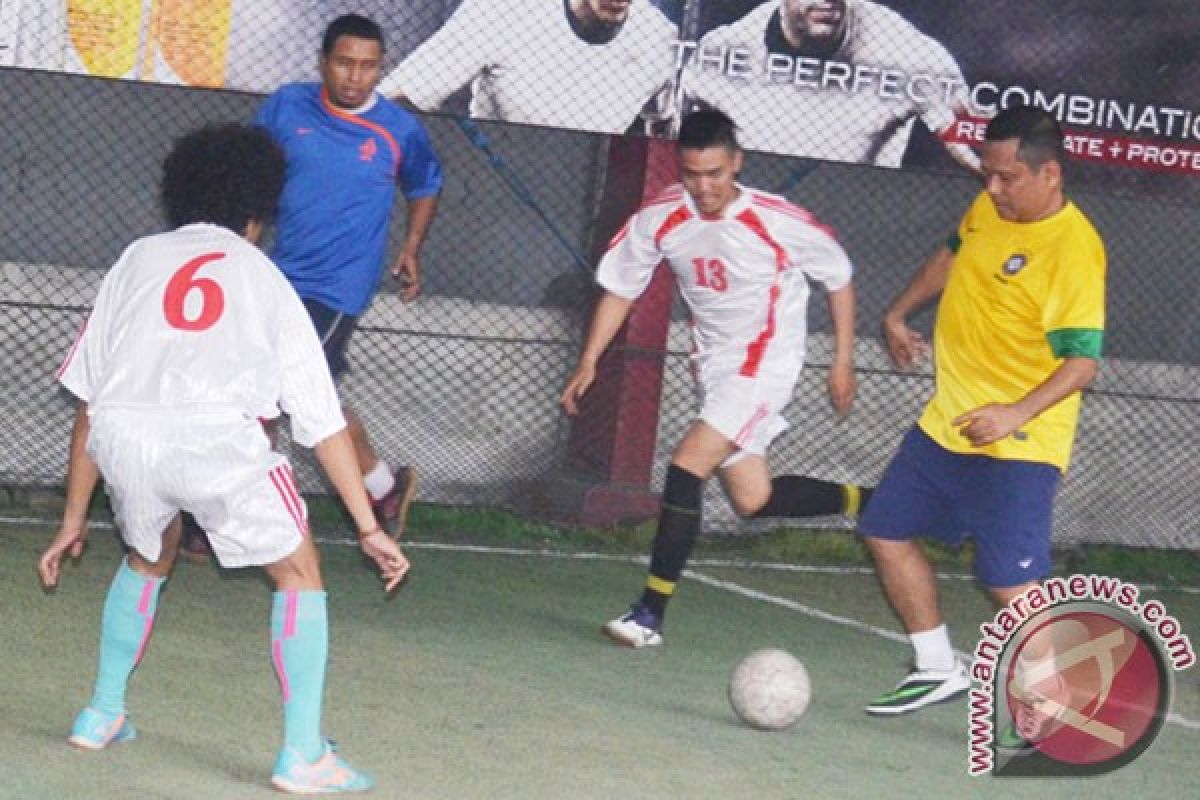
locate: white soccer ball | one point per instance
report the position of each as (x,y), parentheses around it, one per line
(769,690)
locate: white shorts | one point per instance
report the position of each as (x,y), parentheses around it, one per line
(746,411)
(219,466)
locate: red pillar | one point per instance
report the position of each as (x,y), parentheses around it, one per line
(611,444)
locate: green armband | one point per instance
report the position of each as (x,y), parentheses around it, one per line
(1076,342)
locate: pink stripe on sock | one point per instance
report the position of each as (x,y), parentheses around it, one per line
(290,601)
(147,596)
(277,657)
(289,615)
(144,602)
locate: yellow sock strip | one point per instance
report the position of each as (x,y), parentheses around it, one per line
(656,584)
(853,497)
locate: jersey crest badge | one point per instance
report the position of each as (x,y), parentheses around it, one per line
(1015,263)
(367,150)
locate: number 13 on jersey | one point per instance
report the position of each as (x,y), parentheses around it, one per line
(710,274)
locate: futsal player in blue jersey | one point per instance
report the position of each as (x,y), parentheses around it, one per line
(348,148)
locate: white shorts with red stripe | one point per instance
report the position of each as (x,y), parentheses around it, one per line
(746,410)
(219,466)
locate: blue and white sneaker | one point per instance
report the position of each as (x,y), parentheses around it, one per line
(329,774)
(639,628)
(96,730)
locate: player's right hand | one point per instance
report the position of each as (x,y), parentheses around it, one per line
(905,345)
(585,375)
(69,540)
(383,550)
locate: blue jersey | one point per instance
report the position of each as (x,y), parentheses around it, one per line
(342,171)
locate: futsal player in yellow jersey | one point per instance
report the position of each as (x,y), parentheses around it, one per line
(1019,331)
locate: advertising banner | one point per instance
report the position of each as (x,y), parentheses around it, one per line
(889,83)
(8,32)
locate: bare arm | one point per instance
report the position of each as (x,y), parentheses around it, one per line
(336,456)
(841,373)
(904,344)
(408,265)
(995,421)
(607,319)
(82,477)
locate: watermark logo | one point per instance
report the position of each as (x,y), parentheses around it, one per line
(1074,677)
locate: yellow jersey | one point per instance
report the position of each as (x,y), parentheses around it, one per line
(1020,297)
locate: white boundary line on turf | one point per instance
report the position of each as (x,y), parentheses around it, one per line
(1173,717)
(810,569)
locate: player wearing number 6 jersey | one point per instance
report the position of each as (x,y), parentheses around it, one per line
(742,260)
(194,337)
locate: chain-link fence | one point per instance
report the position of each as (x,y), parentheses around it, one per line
(464,383)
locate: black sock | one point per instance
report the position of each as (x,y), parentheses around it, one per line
(678,526)
(800,496)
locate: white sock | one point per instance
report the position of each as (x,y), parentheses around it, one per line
(933,649)
(379,481)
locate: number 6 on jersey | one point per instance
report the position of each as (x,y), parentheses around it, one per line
(212,299)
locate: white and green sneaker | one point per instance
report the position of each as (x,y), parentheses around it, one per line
(922,687)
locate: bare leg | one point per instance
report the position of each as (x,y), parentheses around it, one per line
(1004,595)
(701,449)
(908,584)
(298,572)
(747,484)
(166,559)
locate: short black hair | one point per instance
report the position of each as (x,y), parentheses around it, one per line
(355,25)
(1039,136)
(708,128)
(227,175)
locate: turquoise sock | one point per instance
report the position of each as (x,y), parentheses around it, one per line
(125,629)
(300,648)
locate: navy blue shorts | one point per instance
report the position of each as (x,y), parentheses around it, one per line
(333,329)
(1006,506)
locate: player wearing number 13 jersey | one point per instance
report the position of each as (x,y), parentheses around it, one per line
(194,336)
(743,273)
(742,260)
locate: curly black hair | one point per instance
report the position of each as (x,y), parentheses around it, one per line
(227,175)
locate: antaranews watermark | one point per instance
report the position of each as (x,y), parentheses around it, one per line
(1073,677)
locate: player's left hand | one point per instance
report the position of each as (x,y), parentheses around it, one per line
(69,541)
(579,382)
(383,550)
(989,423)
(407,271)
(842,387)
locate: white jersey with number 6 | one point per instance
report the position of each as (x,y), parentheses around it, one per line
(196,321)
(743,274)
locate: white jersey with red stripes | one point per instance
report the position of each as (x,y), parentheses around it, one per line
(198,321)
(743,274)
